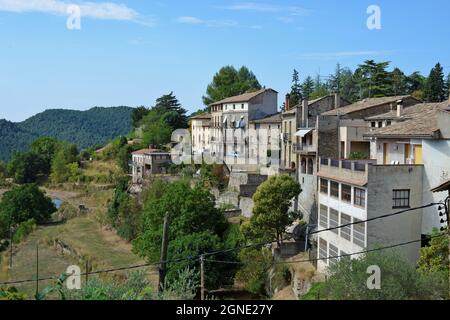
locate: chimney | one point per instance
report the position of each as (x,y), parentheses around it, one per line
(337,100)
(305,108)
(399,108)
(286,103)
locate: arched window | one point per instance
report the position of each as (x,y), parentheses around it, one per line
(304,166)
(310,166)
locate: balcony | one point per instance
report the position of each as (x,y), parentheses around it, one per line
(353,172)
(305,149)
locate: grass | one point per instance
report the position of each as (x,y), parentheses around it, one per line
(85,237)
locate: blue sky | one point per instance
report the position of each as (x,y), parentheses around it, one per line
(129,52)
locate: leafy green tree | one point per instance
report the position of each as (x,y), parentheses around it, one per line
(435,90)
(63,167)
(228,82)
(295,96)
(307,87)
(27,167)
(415,85)
(271,214)
(23,203)
(399,82)
(373,79)
(434,257)
(447,86)
(193,217)
(344,82)
(46,147)
(137,115)
(124,213)
(254,273)
(399,279)
(171,111)
(320,89)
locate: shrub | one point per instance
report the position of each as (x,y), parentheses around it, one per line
(24,229)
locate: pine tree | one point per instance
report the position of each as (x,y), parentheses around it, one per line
(435,87)
(447,87)
(307,87)
(296,90)
(374,80)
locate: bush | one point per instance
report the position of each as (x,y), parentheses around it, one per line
(24,229)
(254,273)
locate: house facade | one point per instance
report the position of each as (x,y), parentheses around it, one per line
(148,162)
(200,133)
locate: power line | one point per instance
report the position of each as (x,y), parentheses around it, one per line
(375,218)
(334,257)
(195,258)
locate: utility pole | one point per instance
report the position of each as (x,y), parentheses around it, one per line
(163,259)
(10,241)
(37,269)
(202,277)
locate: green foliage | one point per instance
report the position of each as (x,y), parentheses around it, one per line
(399,279)
(27,167)
(316,292)
(254,274)
(137,115)
(307,87)
(295,96)
(358,156)
(64,164)
(24,229)
(160,121)
(228,82)
(435,88)
(271,213)
(23,203)
(196,226)
(46,147)
(83,128)
(11,293)
(374,79)
(213,175)
(434,257)
(124,213)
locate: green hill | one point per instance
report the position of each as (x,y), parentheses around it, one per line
(84,128)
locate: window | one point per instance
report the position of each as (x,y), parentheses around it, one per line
(334,220)
(360,197)
(234,107)
(324,186)
(380,124)
(323,246)
(323,216)
(346,193)
(310,166)
(242,106)
(303,166)
(334,189)
(401,199)
(334,252)
(373,124)
(359,233)
(346,232)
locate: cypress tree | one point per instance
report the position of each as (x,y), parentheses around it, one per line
(435,88)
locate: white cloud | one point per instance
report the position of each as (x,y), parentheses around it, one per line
(208,23)
(189,20)
(265,7)
(96,10)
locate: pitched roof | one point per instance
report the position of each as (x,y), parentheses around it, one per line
(444,186)
(273,118)
(365,104)
(148,151)
(311,103)
(205,115)
(242,97)
(419,120)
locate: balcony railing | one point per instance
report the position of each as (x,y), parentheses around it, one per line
(359,165)
(304,148)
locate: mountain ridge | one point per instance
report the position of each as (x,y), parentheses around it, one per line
(84,128)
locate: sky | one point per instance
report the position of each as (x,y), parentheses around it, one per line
(130,52)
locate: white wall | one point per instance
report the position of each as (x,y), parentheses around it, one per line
(436,158)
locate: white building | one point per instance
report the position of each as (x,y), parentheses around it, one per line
(200,133)
(410,154)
